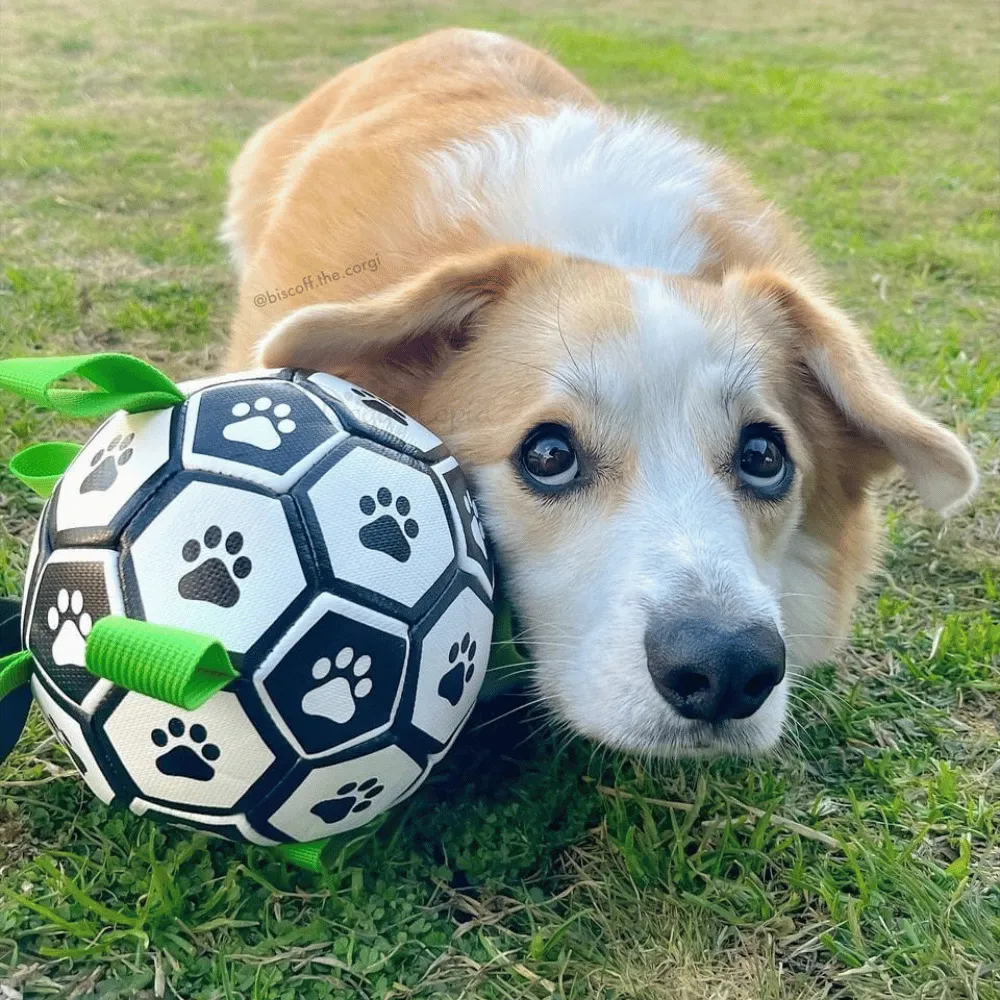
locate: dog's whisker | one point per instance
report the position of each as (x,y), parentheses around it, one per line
(504,715)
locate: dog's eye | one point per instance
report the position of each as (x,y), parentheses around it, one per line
(548,457)
(764,466)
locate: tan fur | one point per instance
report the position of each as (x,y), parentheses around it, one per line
(465,333)
(333,180)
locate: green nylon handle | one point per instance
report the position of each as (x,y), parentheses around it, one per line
(123,383)
(307,856)
(15,672)
(40,466)
(181,668)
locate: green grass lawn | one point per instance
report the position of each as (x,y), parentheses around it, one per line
(863,860)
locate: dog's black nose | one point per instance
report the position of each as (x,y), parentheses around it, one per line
(711,674)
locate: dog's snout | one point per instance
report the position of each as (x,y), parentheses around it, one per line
(711,674)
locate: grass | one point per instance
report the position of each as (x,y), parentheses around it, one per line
(861,861)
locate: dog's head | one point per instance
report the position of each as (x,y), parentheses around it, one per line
(675,473)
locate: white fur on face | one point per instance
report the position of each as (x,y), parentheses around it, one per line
(678,547)
(679,544)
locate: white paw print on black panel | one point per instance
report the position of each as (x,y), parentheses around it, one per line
(265,429)
(262,430)
(70,625)
(389,531)
(186,754)
(337,698)
(106,462)
(72,594)
(214,577)
(336,681)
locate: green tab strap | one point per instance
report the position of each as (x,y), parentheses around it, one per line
(181,668)
(15,672)
(307,856)
(39,466)
(123,383)
(15,697)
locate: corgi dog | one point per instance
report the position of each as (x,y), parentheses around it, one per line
(671,430)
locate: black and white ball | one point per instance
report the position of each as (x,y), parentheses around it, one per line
(328,541)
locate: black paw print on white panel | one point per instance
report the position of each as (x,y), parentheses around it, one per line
(377,417)
(333,798)
(105,464)
(351,797)
(461,656)
(186,754)
(379,405)
(392,531)
(214,577)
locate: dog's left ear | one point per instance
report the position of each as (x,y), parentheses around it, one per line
(394,341)
(830,347)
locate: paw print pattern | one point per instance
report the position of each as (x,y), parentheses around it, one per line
(461,655)
(477,525)
(106,462)
(337,699)
(212,580)
(72,625)
(385,534)
(265,429)
(474,549)
(379,405)
(189,759)
(353,797)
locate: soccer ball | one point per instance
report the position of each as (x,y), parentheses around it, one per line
(328,541)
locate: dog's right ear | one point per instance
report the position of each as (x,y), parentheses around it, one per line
(394,341)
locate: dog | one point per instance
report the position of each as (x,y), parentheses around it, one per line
(671,429)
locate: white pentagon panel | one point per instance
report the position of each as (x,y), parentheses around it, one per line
(336,676)
(374,411)
(199,820)
(208,757)
(112,467)
(453,658)
(218,560)
(75,589)
(384,525)
(268,431)
(474,552)
(70,734)
(192,385)
(344,796)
